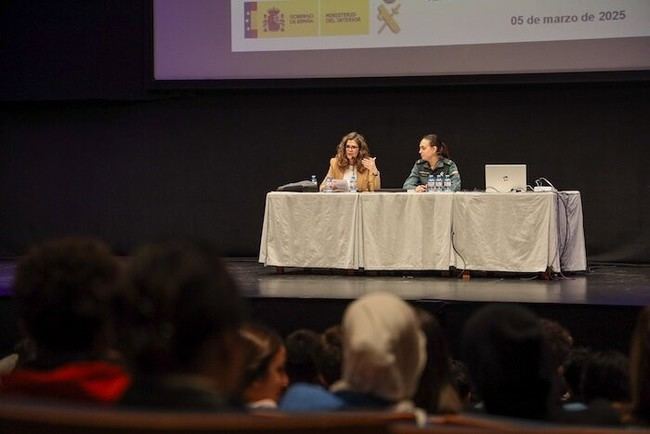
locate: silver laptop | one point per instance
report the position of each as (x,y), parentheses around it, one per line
(505,177)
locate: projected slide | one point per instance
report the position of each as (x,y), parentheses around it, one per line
(269,25)
(296,39)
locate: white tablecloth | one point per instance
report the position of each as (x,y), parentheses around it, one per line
(573,254)
(520,232)
(405,231)
(505,231)
(311,230)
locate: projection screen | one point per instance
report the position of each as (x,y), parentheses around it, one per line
(275,39)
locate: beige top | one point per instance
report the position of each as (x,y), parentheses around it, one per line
(366,181)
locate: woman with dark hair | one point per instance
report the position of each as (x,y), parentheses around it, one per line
(330,355)
(265,358)
(310,395)
(434,160)
(353,159)
(436,392)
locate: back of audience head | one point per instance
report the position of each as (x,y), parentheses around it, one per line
(462,383)
(573,370)
(640,368)
(384,349)
(302,345)
(436,393)
(64,290)
(329,355)
(180,314)
(606,376)
(506,355)
(265,377)
(559,341)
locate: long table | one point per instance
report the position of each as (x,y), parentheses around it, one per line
(517,232)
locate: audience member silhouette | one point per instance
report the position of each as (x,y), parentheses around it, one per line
(606,376)
(573,370)
(462,383)
(559,342)
(639,413)
(603,386)
(436,392)
(329,355)
(312,395)
(302,345)
(64,289)
(265,376)
(384,354)
(180,316)
(508,361)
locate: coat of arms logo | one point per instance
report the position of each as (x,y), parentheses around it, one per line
(274,20)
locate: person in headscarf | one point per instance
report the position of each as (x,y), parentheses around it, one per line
(384,353)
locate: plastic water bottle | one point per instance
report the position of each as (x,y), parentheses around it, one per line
(353,183)
(439,182)
(314,181)
(431,184)
(328,185)
(447,183)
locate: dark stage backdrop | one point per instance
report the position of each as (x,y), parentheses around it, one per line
(88,148)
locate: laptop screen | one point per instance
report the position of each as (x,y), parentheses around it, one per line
(504,178)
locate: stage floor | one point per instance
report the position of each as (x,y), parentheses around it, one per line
(602,285)
(599,307)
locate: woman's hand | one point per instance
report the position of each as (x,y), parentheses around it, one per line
(421,188)
(369,163)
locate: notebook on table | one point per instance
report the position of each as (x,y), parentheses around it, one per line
(504,178)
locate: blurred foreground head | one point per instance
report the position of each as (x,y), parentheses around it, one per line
(507,357)
(180,314)
(64,290)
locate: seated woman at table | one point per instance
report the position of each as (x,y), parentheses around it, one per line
(434,160)
(353,158)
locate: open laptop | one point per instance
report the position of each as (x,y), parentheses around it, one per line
(504,178)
